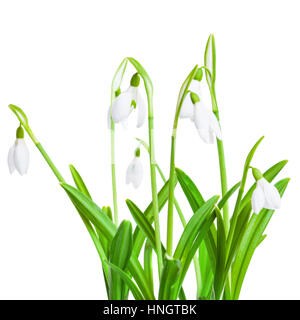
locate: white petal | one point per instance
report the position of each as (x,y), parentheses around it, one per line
(187,108)
(121,106)
(21,156)
(141,109)
(202,123)
(258,199)
(206,123)
(215,125)
(125,123)
(195,86)
(272,196)
(10,159)
(134,173)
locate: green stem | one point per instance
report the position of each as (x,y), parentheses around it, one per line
(183,222)
(115,90)
(172,179)
(149,91)
(222,165)
(50,163)
(154,189)
(113,172)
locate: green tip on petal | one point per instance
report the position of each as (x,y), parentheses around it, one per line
(20,133)
(137,152)
(199,74)
(117,92)
(135,80)
(257,174)
(194,97)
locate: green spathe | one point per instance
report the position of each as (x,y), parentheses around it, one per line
(20,133)
(257,174)
(199,75)
(194,97)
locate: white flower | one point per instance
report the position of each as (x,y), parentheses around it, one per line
(134,172)
(204,119)
(18,157)
(265,196)
(127,101)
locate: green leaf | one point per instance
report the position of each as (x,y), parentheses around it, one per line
(228,194)
(142,222)
(250,241)
(221,256)
(138,235)
(192,228)
(196,200)
(120,252)
(190,190)
(126,278)
(91,211)
(169,276)
(239,232)
(190,253)
(79,181)
(148,264)
(190,240)
(207,273)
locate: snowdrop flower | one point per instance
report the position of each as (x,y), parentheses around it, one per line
(128,101)
(134,172)
(205,120)
(187,109)
(265,195)
(18,155)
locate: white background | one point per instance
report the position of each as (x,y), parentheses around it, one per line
(57,60)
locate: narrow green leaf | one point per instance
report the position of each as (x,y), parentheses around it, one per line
(148,264)
(196,200)
(228,194)
(192,227)
(190,253)
(221,256)
(120,252)
(239,232)
(142,222)
(91,211)
(190,190)
(126,278)
(138,236)
(79,181)
(169,276)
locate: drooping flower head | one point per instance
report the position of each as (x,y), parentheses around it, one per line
(128,101)
(134,173)
(265,194)
(18,155)
(204,119)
